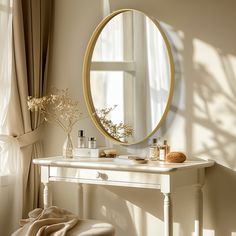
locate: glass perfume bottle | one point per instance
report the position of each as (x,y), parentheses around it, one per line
(81,139)
(92,143)
(154,150)
(164,150)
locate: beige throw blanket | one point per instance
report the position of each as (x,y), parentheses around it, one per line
(52,221)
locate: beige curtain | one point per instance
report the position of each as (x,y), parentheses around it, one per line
(31,28)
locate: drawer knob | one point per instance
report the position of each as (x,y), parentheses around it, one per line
(99,175)
(102,176)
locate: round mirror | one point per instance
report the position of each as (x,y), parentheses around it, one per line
(128,76)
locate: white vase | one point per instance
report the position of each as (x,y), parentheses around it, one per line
(67,150)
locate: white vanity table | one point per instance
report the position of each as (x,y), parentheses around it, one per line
(165,177)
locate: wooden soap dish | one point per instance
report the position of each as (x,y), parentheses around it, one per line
(139,160)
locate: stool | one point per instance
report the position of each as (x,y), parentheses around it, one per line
(92,228)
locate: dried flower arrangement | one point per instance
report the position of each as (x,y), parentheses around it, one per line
(57,107)
(119,131)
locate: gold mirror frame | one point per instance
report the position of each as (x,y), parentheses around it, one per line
(86,76)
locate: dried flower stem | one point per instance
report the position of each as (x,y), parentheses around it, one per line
(118,131)
(57,107)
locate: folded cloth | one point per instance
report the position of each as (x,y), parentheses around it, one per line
(52,221)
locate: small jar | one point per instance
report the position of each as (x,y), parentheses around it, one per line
(81,139)
(92,142)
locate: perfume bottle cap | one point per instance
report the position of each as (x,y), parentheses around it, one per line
(92,139)
(81,133)
(165,142)
(154,141)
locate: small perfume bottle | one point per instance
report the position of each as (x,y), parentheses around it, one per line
(92,142)
(164,150)
(154,150)
(81,139)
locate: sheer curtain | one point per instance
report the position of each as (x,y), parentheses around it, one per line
(10,155)
(24,47)
(158,74)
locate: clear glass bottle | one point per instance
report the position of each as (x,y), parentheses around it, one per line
(92,143)
(81,139)
(164,150)
(154,150)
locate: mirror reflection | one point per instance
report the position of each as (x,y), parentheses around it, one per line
(130,73)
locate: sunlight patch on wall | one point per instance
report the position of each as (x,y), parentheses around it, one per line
(207,232)
(115,216)
(208,61)
(213,103)
(232,62)
(106,8)
(142,220)
(113,212)
(147,224)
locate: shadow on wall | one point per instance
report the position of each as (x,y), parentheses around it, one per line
(136,211)
(219,201)
(201,121)
(209,115)
(127,210)
(210,128)
(110,206)
(202,115)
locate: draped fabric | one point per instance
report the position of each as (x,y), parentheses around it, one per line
(10,184)
(5,58)
(10,156)
(31,27)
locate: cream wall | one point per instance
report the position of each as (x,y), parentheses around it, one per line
(201,122)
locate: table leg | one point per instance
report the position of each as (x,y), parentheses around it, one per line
(198,223)
(168,221)
(47,199)
(81,201)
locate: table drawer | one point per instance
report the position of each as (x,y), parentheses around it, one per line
(105,177)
